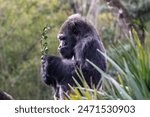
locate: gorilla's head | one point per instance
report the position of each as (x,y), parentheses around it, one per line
(73,29)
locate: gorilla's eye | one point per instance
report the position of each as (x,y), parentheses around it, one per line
(61,37)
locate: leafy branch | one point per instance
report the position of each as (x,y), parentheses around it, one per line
(43,41)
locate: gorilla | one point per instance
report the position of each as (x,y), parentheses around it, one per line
(5,96)
(79,41)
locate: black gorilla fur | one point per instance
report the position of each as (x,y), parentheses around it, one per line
(78,41)
(5,96)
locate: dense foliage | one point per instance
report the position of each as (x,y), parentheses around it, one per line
(21,23)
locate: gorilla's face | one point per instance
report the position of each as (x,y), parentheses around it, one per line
(67,38)
(73,29)
(66,47)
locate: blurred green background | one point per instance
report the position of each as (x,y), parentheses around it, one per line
(22,22)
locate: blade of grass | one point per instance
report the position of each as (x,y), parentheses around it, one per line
(118,87)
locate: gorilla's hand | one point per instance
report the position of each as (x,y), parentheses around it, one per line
(43,68)
(48,69)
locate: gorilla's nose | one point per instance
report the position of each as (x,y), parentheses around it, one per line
(59,47)
(61,36)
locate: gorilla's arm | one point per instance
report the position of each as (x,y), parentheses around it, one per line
(56,70)
(87,49)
